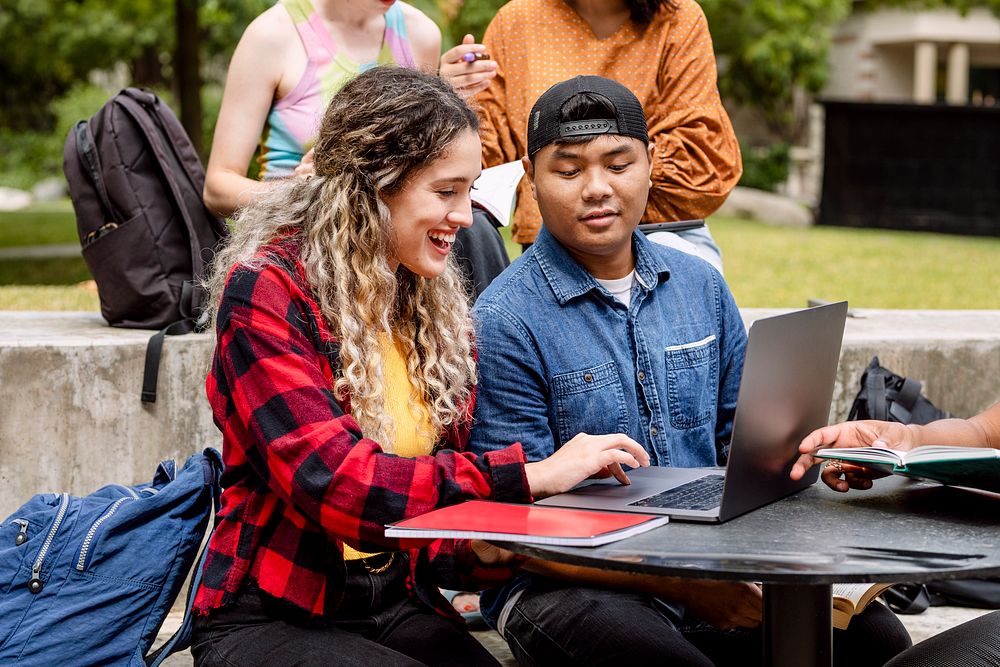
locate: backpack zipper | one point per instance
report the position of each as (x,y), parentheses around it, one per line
(82,560)
(22,534)
(35,585)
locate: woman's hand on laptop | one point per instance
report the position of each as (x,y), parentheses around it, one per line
(839,475)
(585,456)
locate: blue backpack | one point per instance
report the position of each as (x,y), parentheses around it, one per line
(89,580)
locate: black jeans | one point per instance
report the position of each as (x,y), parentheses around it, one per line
(376,624)
(555,625)
(975,643)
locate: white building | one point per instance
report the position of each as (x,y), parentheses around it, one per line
(906,56)
(900,55)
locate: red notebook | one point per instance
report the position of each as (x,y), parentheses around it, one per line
(530,524)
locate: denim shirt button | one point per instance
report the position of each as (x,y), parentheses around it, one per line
(587,377)
(641,376)
(653,430)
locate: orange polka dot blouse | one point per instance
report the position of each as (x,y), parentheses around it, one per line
(669,65)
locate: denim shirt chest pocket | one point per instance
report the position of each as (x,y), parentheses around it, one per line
(692,381)
(590,400)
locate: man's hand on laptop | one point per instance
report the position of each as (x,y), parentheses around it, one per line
(724,604)
(582,457)
(842,476)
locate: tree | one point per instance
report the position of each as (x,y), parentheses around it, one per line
(187,64)
(51,45)
(962,6)
(773,55)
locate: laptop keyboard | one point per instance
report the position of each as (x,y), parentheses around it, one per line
(704,493)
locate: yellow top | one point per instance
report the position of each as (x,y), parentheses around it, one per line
(407,411)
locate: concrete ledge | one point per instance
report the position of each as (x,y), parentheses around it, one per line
(71,419)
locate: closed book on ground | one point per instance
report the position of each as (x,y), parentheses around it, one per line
(960,466)
(530,524)
(851,599)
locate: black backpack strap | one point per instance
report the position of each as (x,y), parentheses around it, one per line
(908,394)
(875,394)
(86,150)
(154,136)
(175,133)
(907,598)
(154,350)
(181,639)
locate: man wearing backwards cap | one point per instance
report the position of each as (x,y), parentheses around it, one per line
(595,329)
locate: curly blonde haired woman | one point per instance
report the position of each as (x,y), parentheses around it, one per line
(343,384)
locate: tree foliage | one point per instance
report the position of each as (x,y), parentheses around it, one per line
(51,45)
(962,6)
(771,52)
(767,49)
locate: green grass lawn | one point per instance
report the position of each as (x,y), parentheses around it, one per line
(780,267)
(765,266)
(39,224)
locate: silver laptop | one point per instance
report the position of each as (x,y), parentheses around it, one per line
(785,393)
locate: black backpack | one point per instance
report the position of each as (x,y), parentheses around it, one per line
(136,184)
(887,396)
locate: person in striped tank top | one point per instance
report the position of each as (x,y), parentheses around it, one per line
(287,66)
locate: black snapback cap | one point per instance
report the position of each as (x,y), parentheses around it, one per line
(544,126)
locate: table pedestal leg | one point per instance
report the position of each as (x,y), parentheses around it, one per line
(797,629)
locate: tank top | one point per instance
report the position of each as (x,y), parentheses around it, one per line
(293,121)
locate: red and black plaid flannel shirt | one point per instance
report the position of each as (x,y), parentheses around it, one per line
(301,479)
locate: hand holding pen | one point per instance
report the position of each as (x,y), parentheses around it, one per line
(468,67)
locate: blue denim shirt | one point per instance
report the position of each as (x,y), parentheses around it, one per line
(558,355)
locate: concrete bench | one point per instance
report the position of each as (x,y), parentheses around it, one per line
(71,419)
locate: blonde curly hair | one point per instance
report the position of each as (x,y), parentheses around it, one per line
(380,129)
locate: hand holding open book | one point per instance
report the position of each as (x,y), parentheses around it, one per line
(976,467)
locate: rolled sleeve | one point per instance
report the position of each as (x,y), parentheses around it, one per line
(697,157)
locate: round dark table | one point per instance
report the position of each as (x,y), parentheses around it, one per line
(900,530)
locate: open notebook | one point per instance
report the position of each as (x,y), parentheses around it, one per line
(496,190)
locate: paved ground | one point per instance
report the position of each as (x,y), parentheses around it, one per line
(921,626)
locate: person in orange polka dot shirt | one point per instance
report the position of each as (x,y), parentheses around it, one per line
(660,49)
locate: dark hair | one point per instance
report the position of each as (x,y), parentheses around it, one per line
(388,122)
(643,11)
(587,106)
